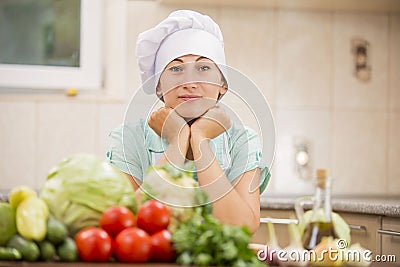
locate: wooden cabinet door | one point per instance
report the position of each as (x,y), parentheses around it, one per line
(281,230)
(364,230)
(390,234)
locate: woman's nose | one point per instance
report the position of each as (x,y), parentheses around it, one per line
(189,76)
(190,85)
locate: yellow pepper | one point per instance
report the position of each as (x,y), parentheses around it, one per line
(32,214)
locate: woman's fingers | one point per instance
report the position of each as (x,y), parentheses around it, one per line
(214,122)
(167,123)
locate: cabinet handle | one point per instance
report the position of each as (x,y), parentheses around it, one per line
(358,227)
(388,232)
(279,221)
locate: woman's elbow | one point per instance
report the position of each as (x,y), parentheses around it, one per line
(253,225)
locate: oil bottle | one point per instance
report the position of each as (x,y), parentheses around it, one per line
(320,223)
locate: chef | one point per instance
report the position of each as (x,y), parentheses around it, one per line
(182,62)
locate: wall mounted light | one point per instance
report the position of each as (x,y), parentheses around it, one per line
(302,158)
(360,50)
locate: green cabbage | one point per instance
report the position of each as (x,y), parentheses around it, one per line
(81,187)
(177,189)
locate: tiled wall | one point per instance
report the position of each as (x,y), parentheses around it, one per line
(303,64)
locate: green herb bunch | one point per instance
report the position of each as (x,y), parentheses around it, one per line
(203,240)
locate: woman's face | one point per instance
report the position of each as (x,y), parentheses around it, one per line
(191,85)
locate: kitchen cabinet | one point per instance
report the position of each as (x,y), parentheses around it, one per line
(364,230)
(261,235)
(390,234)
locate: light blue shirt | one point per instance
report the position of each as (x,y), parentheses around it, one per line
(134,147)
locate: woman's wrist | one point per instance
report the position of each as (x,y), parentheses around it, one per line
(196,139)
(200,146)
(182,137)
(176,152)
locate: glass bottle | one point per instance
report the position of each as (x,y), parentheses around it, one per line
(320,223)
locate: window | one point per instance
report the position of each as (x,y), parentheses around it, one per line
(50,44)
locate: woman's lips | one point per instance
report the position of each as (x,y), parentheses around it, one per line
(189,97)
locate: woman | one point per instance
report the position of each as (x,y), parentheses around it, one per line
(182,61)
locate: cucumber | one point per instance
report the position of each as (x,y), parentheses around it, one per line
(68,251)
(9,254)
(47,251)
(56,231)
(29,250)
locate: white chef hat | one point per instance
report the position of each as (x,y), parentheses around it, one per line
(183,32)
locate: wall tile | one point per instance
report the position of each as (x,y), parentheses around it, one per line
(304,61)
(348,91)
(110,117)
(136,24)
(394,154)
(18,144)
(115,47)
(248,38)
(313,125)
(64,129)
(394,62)
(359,152)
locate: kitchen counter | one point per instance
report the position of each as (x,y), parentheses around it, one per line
(387,206)
(378,205)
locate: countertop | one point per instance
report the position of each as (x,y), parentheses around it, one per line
(378,205)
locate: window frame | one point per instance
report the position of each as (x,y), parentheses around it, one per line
(87,76)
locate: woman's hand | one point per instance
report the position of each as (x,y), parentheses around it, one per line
(169,125)
(213,123)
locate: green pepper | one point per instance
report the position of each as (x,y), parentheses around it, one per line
(32,214)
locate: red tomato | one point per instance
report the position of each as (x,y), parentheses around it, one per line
(153,216)
(94,244)
(133,245)
(115,219)
(162,247)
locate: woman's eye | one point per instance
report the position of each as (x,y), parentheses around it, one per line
(175,69)
(204,68)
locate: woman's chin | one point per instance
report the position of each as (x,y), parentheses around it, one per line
(194,109)
(189,114)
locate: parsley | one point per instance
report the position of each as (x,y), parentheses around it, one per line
(203,240)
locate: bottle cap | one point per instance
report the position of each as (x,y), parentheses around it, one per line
(322,175)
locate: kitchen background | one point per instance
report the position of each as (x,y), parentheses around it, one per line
(302,61)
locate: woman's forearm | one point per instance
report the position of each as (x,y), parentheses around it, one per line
(176,150)
(228,205)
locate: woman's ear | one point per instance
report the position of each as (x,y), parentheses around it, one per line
(224,85)
(159,93)
(223,89)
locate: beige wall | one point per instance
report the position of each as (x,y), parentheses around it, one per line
(300,60)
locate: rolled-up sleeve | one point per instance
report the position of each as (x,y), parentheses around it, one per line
(126,150)
(246,156)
